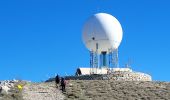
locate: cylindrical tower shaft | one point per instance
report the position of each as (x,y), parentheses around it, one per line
(104,59)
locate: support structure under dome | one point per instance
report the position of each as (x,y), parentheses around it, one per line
(100,61)
(113,58)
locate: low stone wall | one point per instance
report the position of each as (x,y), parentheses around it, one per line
(117,76)
(86,77)
(130,76)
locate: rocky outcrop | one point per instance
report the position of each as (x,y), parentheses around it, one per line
(9,90)
(6,85)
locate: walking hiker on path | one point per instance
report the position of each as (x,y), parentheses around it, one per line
(63,84)
(57,80)
(0,89)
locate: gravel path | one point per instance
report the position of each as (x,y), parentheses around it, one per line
(41,91)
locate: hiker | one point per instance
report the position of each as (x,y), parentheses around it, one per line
(57,80)
(0,89)
(63,84)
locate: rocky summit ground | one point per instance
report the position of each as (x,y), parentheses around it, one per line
(92,90)
(117,90)
(41,91)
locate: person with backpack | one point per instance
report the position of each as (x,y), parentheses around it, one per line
(0,89)
(57,80)
(63,84)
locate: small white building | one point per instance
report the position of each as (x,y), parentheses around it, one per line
(88,71)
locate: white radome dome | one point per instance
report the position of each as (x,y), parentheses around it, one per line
(102,29)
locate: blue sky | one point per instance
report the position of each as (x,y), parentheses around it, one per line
(39,38)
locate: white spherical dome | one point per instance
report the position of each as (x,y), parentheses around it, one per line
(104,30)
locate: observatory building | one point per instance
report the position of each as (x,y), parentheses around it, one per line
(102,34)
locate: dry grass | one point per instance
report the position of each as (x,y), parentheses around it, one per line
(117,90)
